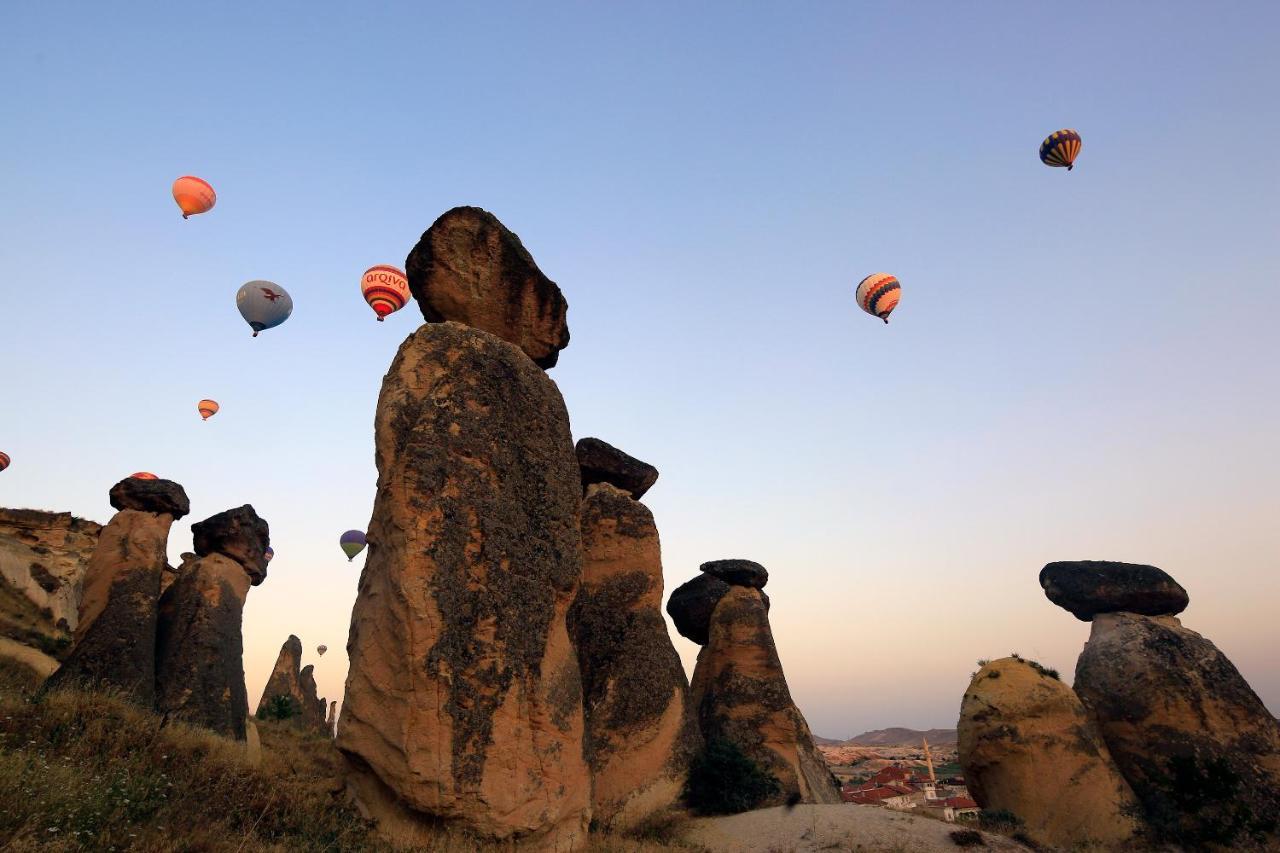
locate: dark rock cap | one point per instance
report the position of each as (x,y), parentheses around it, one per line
(1089,587)
(150,496)
(738,572)
(470,268)
(236,533)
(603,463)
(691,605)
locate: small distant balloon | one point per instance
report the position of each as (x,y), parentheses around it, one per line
(208,408)
(352,542)
(1060,148)
(878,295)
(193,195)
(4,460)
(385,288)
(320,650)
(268,554)
(263,304)
(143,475)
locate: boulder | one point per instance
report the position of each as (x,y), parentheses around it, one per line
(603,463)
(463,700)
(200,647)
(737,572)
(158,496)
(115,639)
(740,695)
(1089,587)
(691,605)
(236,533)
(469,268)
(43,558)
(1027,745)
(641,733)
(1196,743)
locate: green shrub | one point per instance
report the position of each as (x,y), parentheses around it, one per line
(279,707)
(967,838)
(999,820)
(724,780)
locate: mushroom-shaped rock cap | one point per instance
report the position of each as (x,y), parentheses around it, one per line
(691,605)
(738,572)
(236,533)
(150,496)
(1089,587)
(470,268)
(603,463)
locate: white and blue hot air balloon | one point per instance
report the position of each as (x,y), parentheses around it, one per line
(263,304)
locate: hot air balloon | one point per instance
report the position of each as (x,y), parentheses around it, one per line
(193,195)
(143,475)
(320,650)
(1060,148)
(208,408)
(268,554)
(4,460)
(878,295)
(263,305)
(352,542)
(385,288)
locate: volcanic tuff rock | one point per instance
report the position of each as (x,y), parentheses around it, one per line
(313,705)
(468,267)
(286,680)
(692,603)
(1027,745)
(641,733)
(741,695)
(463,699)
(115,640)
(1196,743)
(150,496)
(1089,587)
(603,463)
(738,572)
(332,719)
(236,533)
(43,557)
(200,647)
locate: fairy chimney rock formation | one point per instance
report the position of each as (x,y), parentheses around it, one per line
(463,701)
(469,268)
(692,603)
(313,705)
(115,639)
(601,462)
(1027,745)
(1086,588)
(740,695)
(641,733)
(332,719)
(297,684)
(1196,743)
(199,641)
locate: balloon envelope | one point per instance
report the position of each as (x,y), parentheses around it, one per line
(263,304)
(143,475)
(4,461)
(268,554)
(320,650)
(352,542)
(1061,148)
(193,195)
(385,288)
(207,408)
(878,294)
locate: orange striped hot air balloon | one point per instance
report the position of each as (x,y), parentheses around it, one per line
(207,408)
(4,460)
(878,295)
(143,475)
(385,288)
(193,195)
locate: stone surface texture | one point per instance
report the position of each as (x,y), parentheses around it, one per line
(237,533)
(1086,588)
(158,496)
(601,462)
(737,572)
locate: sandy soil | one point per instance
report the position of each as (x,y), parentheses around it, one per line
(843,827)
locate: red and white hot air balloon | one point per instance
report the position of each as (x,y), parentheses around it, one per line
(385,288)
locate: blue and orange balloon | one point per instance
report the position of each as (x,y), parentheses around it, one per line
(1060,148)
(385,288)
(878,294)
(268,554)
(352,542)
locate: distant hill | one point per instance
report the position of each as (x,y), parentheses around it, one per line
(893,737)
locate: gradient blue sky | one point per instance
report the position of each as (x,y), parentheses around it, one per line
(1083,365)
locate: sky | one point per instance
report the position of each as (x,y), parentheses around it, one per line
(1083,364)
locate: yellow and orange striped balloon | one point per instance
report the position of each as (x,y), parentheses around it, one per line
(193,195)
(385,288)
(208,408)
(878,295)
(1061,148)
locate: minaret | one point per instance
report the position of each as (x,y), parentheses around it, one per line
(929,760)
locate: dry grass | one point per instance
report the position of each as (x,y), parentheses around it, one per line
(88,771)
